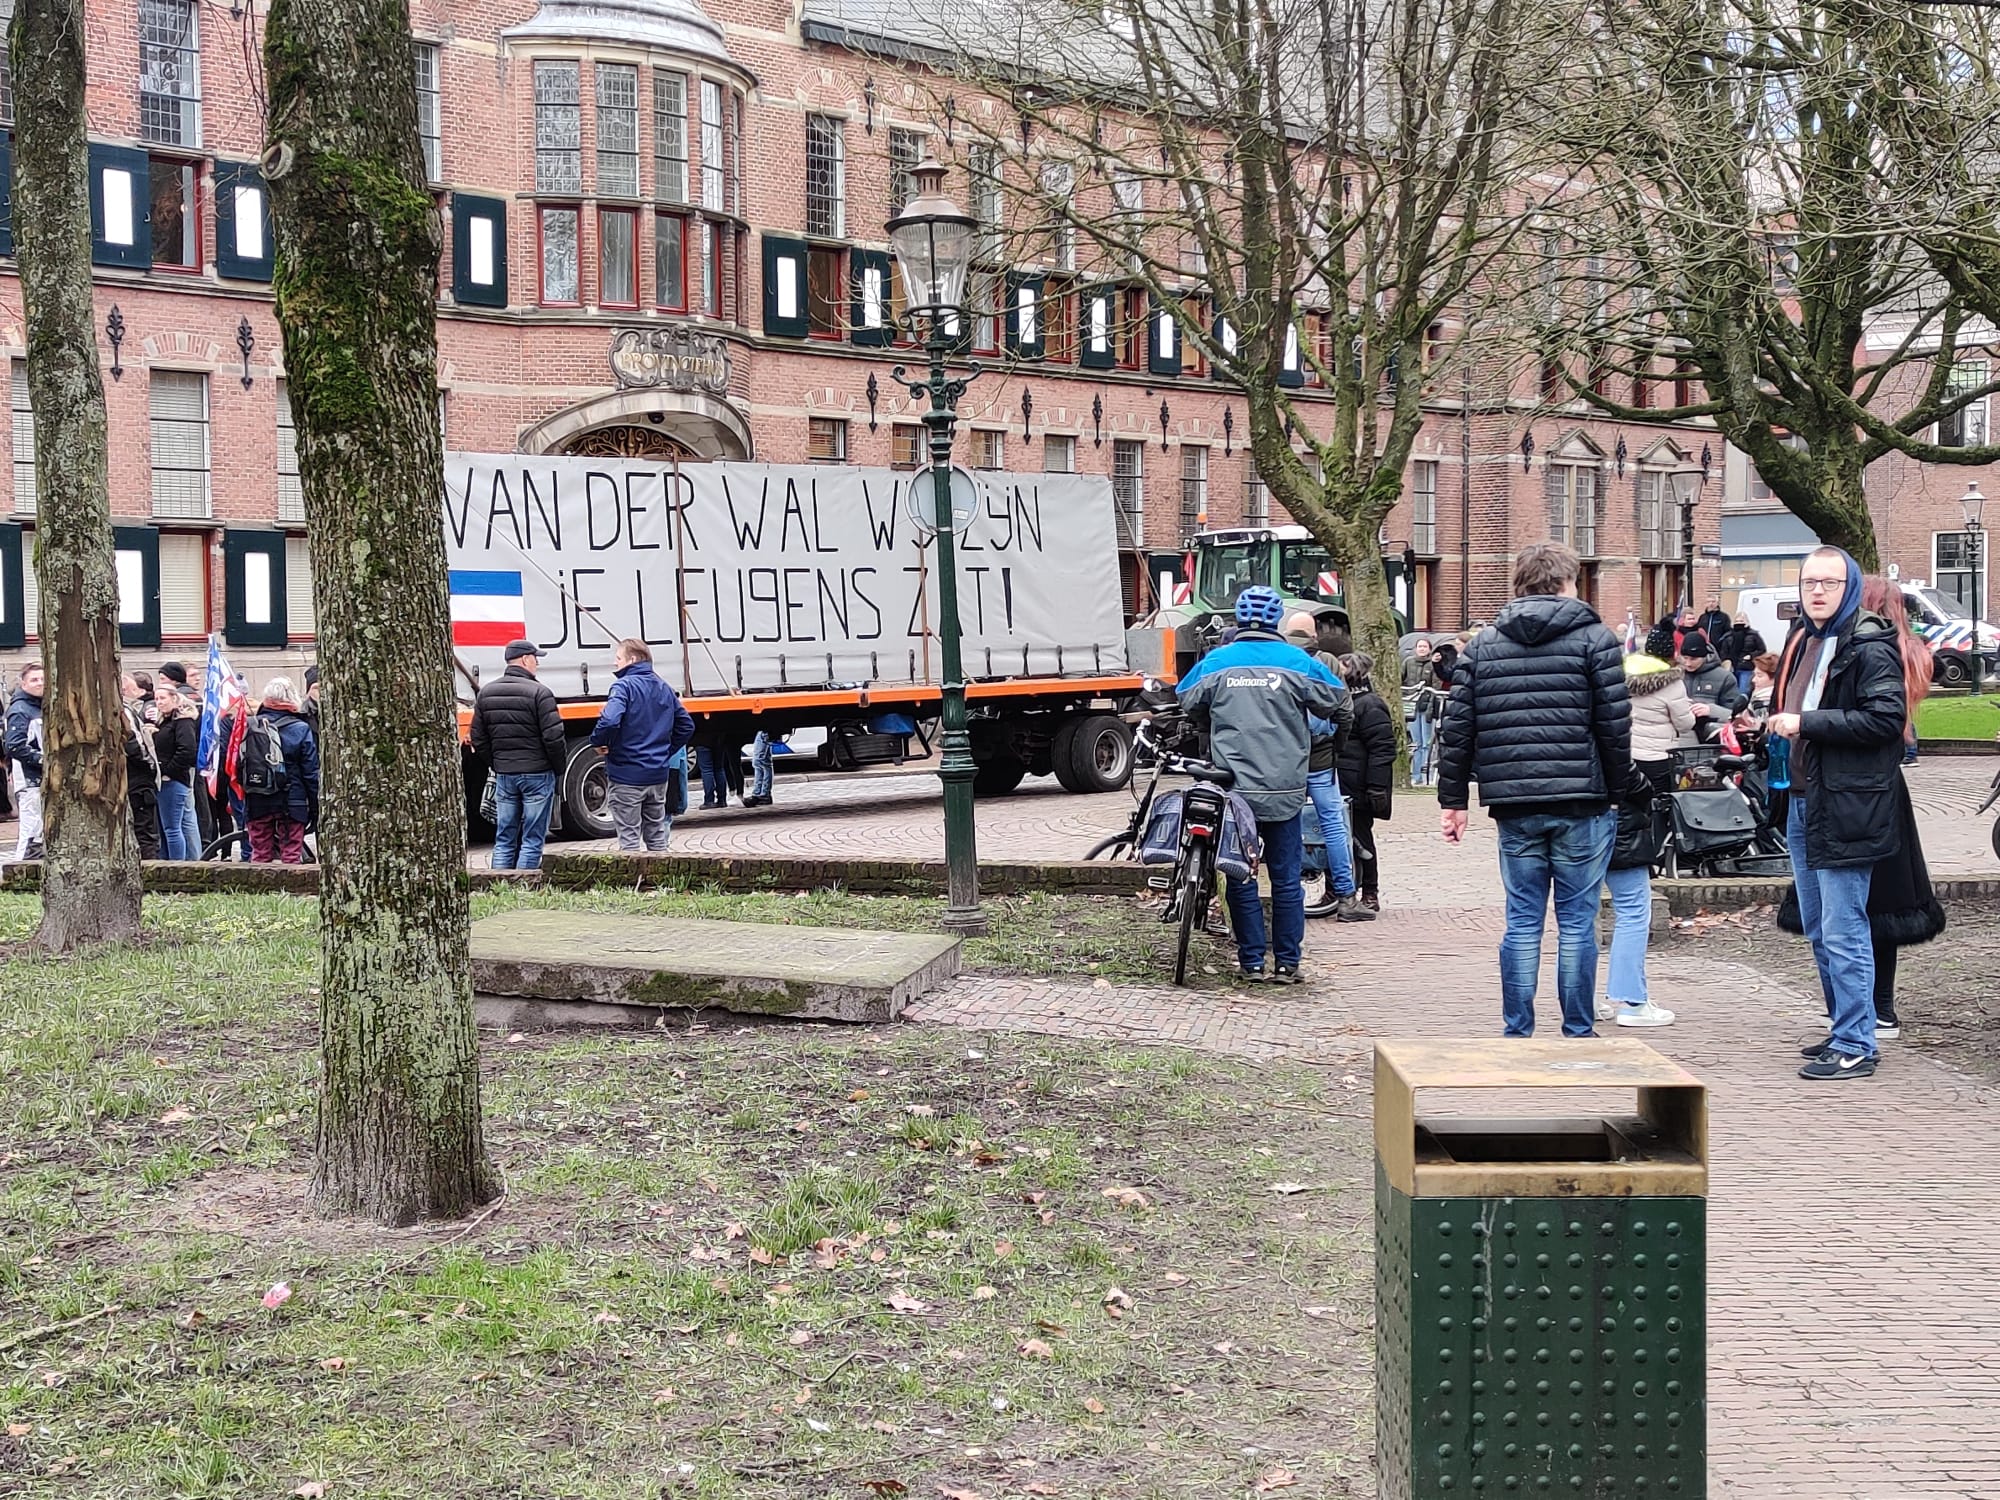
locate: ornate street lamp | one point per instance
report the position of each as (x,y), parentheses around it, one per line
(1974,503)
(932,238)
(1687,489)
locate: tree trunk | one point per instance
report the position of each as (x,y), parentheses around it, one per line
(90,876)
(399,1134)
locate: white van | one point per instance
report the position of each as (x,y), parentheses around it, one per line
(1933,615)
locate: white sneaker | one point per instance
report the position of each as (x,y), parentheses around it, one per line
(1645,1013)
(1605,1010)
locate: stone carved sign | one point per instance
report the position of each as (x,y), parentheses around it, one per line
(674,359)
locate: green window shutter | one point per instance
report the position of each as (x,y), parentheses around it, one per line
(478,251)
(871,318)
(137,554)
(1025,336)
(784,286)
(121,188)
(6,194)
(13,587)
(254,612)
(1097,328)
(242,222)
(1163,338)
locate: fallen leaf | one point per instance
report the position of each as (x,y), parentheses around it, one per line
(1003,1249)
(194,1319)
(733,1231)
(984,1293)
(607,1316)
(798,1338)
(762,1256)
(665,1396)
(278,1296)
(783,1289)
(1126,1197)
(921,1111)
(897,1302)
(879,1425)
(176,1115)
(1174,1278)
(857,1096)
(1321,1312)
(886,1486)
(1116,1297)
(335,1363)
(1033,1197)
(1092,1405)
(312,1489)
(18,1429)
(1225,1347)
(1036,1349)
(1274,1479)
(1289,1188)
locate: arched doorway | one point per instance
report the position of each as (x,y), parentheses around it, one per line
(630,441)
(645,424)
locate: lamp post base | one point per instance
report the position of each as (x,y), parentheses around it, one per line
(968,923)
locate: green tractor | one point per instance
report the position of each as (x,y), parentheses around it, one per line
(1228,561)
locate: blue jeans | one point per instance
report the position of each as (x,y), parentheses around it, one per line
(180,834)
(1833,909)
(1284,850)
(1540,852)
(523,805)
(760,765)
(1743,677)
(1421,736)
(1632,901)
(1324,789)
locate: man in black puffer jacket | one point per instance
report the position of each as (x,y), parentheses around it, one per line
(1540,718)
(516,726)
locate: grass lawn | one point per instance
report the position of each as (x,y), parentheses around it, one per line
(733,1260)
(1959,718)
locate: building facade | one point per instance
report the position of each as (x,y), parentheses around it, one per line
(664,238)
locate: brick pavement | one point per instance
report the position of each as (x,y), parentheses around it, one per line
(1855,1268)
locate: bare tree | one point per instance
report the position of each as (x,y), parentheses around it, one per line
(90,877)
(399,1134)
(1316,192)
(1743,226)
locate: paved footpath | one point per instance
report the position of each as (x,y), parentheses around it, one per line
(1854,1228)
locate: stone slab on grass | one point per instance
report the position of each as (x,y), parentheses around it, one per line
(685,963)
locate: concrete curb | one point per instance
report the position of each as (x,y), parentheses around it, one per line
(1957,747)
(579,872)
(1684,898)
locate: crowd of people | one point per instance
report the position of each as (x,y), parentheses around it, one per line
(1570,736)
(267,781)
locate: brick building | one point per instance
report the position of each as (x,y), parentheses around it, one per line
(664,236)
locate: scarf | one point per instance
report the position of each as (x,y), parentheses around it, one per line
(1810,652)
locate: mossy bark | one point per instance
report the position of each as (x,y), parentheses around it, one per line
(90,877)
(399,1132)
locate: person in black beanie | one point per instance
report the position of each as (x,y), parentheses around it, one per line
(311,705)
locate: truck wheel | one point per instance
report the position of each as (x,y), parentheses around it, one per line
(998,777)
(1062,752)
(586,793)
(1101,754)
(1954,669)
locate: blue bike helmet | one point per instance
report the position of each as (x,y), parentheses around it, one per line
(1260,605)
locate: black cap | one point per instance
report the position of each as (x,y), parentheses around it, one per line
(518,649)
(312,677)
(1694,643)
(173,671)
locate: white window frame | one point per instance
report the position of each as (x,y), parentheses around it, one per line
(1423,507)
(618,108)
(838,428)
(1940,573)
(428,59)
(670,136)
(24,442)
(182,72)
(1128,487)
(1060,446)
(989,448)
(1971,426)
(714,164)
(291,493)
(826,158)
(558,93)
(1194,486)
(176,509)
(1564,526)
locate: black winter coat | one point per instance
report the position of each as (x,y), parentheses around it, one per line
(516,726)
(1539,712)
(1903,910)
(1368,758)
(1741,646)
(1850,748)
(176,742)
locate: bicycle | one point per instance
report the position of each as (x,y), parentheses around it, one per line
(1190,884)
(224,848)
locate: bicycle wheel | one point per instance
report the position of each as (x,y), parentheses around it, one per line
(225,847)
(1197,886)
(1107,846)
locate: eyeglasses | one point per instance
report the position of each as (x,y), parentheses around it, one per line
(1822,585)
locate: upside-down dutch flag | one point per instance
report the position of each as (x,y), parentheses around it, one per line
(487,608)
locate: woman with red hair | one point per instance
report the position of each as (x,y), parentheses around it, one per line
(1902,909)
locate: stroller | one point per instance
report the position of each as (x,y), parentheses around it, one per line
(1718,816)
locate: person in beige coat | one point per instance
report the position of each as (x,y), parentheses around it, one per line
(1662,716)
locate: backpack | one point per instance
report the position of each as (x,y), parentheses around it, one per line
(261,762)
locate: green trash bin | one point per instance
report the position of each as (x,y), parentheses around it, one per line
(1540,1282)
